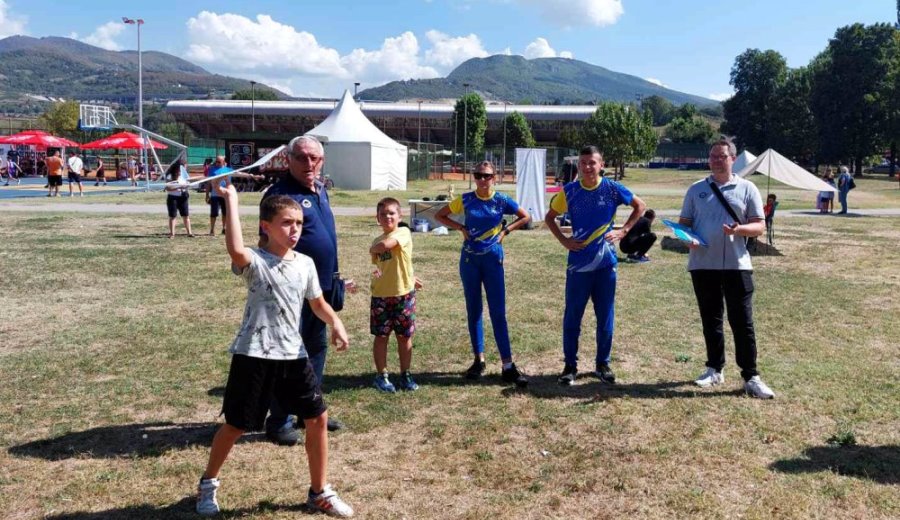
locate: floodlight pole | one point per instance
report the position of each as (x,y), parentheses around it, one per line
(419,141)
(503,165)
(140,101)
(252,106)
(355,89)
(466,134)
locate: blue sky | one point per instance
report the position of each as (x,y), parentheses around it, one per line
(320,48)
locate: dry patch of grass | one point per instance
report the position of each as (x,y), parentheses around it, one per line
(113,380)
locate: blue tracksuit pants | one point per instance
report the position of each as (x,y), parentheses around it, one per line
(600,287)
(487,270)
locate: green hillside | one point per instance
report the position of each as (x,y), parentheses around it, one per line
(65,68)
(540,81)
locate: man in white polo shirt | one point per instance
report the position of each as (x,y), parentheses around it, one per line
(76,169)
(725,210)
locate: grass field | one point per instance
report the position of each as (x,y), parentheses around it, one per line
(664,188)
(112,381)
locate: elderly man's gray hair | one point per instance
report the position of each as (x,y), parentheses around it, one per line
(727,142)
(306,138)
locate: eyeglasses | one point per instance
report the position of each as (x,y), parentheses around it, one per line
(483,176)
(719,156)
(301,156)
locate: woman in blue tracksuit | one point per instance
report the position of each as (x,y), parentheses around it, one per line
(481,263)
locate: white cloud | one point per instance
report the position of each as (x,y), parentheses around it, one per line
(10,24)
(234,42)
(103,36)
(570,13)
(656,82)
(447,52)
(721,96)
(540,48)
(269,51)
(397,59)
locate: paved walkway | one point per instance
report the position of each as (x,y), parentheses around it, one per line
(64,206)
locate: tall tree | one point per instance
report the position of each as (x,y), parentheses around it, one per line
(518,133)
(755,76)
(693,129)
(852,93)
(661,109)
(622,133)
(61,118)
(472,120)
(793,127)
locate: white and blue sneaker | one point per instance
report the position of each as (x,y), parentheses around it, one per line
(710,377)
(328,502)
(406,382)
(383,384)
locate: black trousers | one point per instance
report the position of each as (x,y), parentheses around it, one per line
(638,245)
(736,289)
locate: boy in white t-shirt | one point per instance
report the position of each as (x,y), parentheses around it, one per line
(269,359)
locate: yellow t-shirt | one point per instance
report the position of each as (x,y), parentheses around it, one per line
(393,269)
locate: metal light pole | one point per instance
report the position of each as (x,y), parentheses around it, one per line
(252,106)
(466,134)
(503,165)
(419,139)
(139,22)
(355,88)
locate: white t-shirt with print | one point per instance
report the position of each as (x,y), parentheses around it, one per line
(276,289)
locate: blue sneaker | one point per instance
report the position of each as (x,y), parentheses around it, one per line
(643,259)
(407,383)
(383,384)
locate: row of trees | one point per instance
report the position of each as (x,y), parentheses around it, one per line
(842,107)
(624,133)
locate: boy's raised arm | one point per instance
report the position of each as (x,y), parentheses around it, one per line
(384,245)
(234,239)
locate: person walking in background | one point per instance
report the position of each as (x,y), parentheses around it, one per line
(177,199)
(845,184)
(76,170)
(101,173)
(54,173)
(639,239)
(592,261)
(725,210)
(481,264)
(215,201)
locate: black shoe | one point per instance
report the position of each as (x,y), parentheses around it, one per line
(285,436)
(474,372)
(568,375)
(512,375)
(333,425)
(605,374)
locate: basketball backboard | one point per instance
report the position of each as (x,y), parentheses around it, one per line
(96,117)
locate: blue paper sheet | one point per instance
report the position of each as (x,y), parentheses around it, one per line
(684,233)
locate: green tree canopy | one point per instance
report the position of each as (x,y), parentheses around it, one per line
(693,129)
(852,91)
(756,76)
(793,128)
(260,94)
(686,111)
(475,125)
(61,119)
(661,109)
(518,133)
(622,133)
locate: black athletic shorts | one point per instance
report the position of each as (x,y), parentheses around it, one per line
(177,204)
(216,204)
(74,177)
(54,180)
(254,382)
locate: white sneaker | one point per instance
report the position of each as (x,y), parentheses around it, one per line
(329,503)
(206,497)
(756,388)
(711,377)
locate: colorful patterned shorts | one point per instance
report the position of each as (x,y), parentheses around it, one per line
(393,314)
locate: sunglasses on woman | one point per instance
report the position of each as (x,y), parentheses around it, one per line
(483,176)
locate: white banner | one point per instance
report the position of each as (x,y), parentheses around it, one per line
(531,167)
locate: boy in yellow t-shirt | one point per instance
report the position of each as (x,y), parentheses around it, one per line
(393,295)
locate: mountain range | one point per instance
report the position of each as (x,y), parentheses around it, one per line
(540,81)
(66,68)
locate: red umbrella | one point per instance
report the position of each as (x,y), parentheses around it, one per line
(121,140)
(37,138)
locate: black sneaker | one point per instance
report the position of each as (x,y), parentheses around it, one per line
(333,425)
(605,374)
(512,375)
(568,375)
(284,436)
(474,372)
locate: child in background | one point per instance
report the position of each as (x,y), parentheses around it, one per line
(769,208)
(394,285)
(269,359)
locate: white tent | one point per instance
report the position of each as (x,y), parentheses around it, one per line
(359,156)
(781,168)
(742,161)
